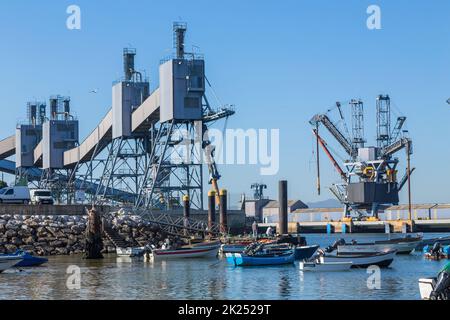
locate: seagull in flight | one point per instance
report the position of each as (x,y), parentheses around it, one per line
(93,91)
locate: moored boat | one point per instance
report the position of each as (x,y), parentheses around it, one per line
(9,261)
(426,286)
(130,251)
(381,259)
(232,248)
(263,259)
(186,252)
(402,246)
(324,266)
(28,260)
(305,252)
(430,242)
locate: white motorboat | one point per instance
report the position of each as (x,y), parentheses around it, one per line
(130,252)
(426,286)
(325,266)
(402,246)
(381,259)
(186,252)
(7,262)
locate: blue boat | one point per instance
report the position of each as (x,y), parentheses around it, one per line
(266,259)
(305,252)
(28,260)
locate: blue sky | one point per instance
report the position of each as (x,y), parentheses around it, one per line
(279,62)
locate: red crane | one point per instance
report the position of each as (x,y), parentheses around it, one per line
(323,144)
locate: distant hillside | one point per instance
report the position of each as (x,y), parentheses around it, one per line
(330,203)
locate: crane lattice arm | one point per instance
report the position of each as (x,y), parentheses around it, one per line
(397,128)
(325,120)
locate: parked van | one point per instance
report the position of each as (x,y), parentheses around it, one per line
(15,195)
(41,196)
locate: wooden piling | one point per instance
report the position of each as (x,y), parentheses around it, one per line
(94,242)
(186,212)
(283,207)
(223,211)
(211,209)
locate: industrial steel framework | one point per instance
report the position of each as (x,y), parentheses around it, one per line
(357,123)
(383,120)
(370,175)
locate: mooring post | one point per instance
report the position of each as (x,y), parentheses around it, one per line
(223,211)
(211,209)
(186,212)
(283,207)
(94,242)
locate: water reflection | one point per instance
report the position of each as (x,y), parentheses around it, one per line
(125,278)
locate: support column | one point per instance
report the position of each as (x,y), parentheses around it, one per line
(94,242)
(223,211)
(283,207)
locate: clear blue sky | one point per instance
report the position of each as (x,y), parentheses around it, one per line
(279,62)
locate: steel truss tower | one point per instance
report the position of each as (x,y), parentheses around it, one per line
(357,124)
(174,168)
(122,170)
(383,121)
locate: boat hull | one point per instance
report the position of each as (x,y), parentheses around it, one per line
(327,267)
(197,252)
(426,286)
(232,248)
(28,260)
(382,260)
(129,252)
(305,252)
(401,248)
(239,259)
(7,262)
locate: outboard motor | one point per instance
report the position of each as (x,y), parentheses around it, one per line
(334,246)
(436,249)
(441,290)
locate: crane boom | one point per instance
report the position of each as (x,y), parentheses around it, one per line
(343,141)
(323,144)
(397,146)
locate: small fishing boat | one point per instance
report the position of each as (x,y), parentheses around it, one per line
(436,252)
(325,266)
(9,261)
(262,259)
(232,248)
(402,246)
(28,260)
(186,252)
(426,286)
(305,252)
(130,252)
(444,241)
(381,259)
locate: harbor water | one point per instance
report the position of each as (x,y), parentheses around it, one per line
(126,278)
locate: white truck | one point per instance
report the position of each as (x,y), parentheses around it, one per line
(41,196)
(16,194)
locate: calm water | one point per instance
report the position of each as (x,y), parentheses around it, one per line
(123,278)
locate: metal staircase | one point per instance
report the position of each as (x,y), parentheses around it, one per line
(117,240)
(179,226)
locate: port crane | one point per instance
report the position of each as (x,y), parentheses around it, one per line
(369,174)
